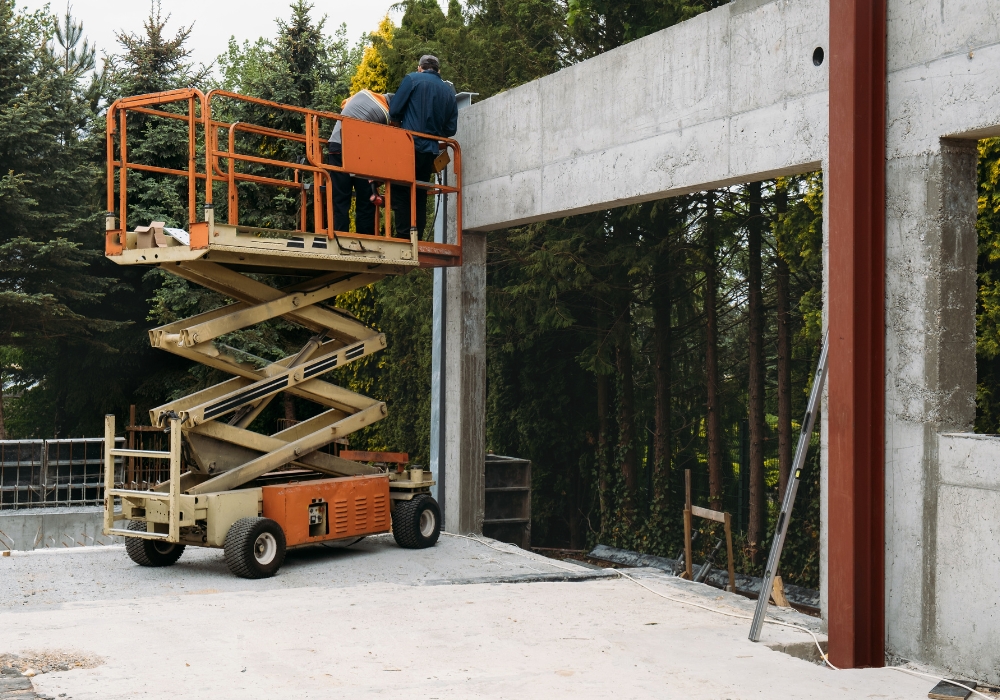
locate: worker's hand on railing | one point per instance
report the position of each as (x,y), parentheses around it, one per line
(376,197)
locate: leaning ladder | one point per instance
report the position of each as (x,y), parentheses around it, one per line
(805,435)
(219,449)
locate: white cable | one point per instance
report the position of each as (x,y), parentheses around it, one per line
(518,552)
(729,614)
(939,679)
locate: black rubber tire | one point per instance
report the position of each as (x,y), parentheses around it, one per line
(406,517)
(151,552)
(247,546)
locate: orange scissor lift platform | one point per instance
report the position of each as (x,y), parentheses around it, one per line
(250,493)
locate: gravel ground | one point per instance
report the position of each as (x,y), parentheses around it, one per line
(377,621)
(44,578)
(604,638)
(35,662)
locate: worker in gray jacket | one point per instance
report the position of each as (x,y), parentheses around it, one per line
(370,107)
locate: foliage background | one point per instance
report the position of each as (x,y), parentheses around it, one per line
(577,308)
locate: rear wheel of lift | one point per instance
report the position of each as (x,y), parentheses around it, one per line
(151,552)
(416,523)
(255,548)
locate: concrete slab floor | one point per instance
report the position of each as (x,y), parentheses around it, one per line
(368,622)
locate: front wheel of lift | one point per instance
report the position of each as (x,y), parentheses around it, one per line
(416,524)
(255,548)
(151,552)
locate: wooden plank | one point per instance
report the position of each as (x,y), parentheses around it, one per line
(386,457)
(707,514)
(778,594)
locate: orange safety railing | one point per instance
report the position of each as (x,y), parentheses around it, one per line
(384,154)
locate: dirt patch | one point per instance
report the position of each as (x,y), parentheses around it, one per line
(48,661)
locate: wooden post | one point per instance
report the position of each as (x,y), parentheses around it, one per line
(130,476)
(109,472)
(729,553)
(688,574)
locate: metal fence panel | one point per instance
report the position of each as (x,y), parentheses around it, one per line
(21,473)
(41,473)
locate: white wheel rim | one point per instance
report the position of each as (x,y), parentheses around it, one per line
(163,547)
(265,548)
(427,522)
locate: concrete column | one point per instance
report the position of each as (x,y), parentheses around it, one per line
(465,388)
(931,378)
(445,231)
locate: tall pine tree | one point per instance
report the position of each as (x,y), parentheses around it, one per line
(49,228)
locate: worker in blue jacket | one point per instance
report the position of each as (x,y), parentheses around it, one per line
(424,103)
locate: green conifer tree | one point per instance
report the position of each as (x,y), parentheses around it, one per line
(50,230)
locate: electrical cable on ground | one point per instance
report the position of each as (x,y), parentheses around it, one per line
(815,639)
(729,614)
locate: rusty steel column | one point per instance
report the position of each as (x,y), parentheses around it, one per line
(856,308)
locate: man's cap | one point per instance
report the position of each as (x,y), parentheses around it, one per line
(428,62)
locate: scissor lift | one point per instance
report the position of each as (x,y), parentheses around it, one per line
(249,493)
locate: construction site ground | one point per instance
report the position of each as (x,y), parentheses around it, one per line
(460,620)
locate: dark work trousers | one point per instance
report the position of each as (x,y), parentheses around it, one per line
(401,197)
(344,188)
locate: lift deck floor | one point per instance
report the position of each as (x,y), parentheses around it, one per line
(262,249)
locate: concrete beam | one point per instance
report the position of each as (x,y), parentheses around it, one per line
(726,97)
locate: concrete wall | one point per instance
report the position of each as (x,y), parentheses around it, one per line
(966,613)
(733,95)
(41,528)
(941,490)
(730,94)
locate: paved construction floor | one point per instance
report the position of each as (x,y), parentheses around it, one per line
(374,620)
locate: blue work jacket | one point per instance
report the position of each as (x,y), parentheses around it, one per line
(425,103)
